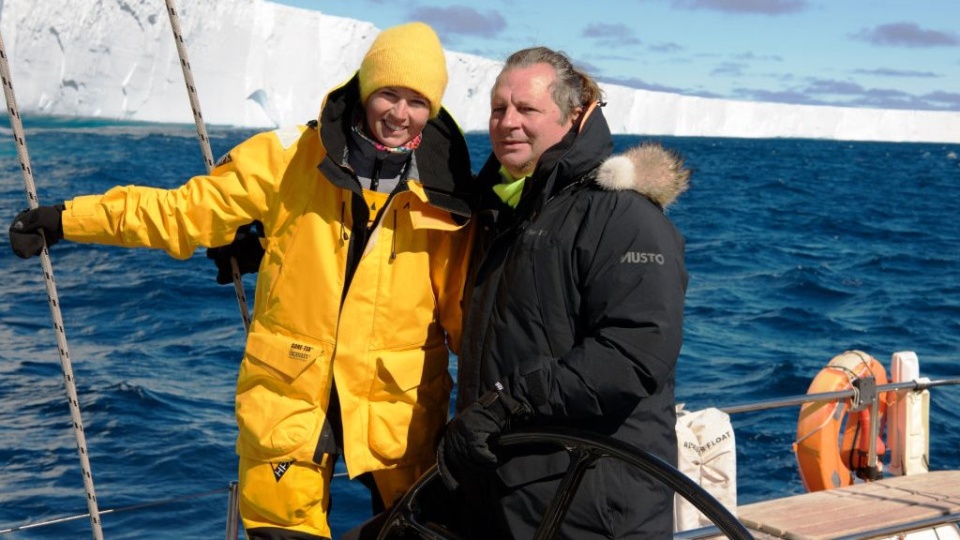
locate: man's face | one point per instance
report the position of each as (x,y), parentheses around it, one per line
(524,120)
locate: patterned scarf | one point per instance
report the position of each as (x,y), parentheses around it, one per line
(406,148)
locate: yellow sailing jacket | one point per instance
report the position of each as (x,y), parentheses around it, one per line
(384,340)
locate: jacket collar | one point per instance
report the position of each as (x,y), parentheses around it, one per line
(580,151)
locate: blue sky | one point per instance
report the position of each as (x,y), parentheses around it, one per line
(890,54)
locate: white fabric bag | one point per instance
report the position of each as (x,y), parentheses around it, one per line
(707,453)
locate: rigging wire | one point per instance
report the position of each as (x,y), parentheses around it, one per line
(52,298)
(204,144)
(139,506)
(232,509)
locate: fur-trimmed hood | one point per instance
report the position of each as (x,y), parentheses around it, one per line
(649,169)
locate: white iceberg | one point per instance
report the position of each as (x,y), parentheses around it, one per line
(260,64)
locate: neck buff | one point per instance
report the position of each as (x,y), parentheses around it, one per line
(510,188)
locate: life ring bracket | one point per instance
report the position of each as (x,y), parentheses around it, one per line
(864,393)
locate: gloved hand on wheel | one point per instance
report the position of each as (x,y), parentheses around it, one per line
(469,440)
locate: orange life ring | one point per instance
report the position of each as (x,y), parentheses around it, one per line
(828,460)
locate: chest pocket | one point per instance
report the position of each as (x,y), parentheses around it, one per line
(542,288)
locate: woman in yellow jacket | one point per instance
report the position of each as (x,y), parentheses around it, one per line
(358,294)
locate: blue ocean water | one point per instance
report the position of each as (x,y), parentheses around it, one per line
(797,250)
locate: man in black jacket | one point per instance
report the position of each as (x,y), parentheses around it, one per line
(574,311)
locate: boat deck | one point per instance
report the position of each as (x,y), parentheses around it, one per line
(863,510)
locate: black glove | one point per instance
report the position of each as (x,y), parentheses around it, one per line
(246,248)
(466,445)
(25,238)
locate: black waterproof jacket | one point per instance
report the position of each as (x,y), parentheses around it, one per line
(575,304)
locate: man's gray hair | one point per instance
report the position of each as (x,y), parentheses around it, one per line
(572,89)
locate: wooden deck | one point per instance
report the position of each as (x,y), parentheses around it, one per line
(855,509)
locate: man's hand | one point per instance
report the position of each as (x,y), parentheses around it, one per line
(467,443)
(246,248)
(25,231)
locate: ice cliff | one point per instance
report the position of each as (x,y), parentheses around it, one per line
(260,64)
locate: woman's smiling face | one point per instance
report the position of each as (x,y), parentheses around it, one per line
(396,114)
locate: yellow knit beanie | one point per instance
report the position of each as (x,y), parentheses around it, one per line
(408,55)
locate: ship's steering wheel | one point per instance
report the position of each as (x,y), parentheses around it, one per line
(409,518)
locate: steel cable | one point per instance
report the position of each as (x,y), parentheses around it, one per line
(52,298)
(204,144)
